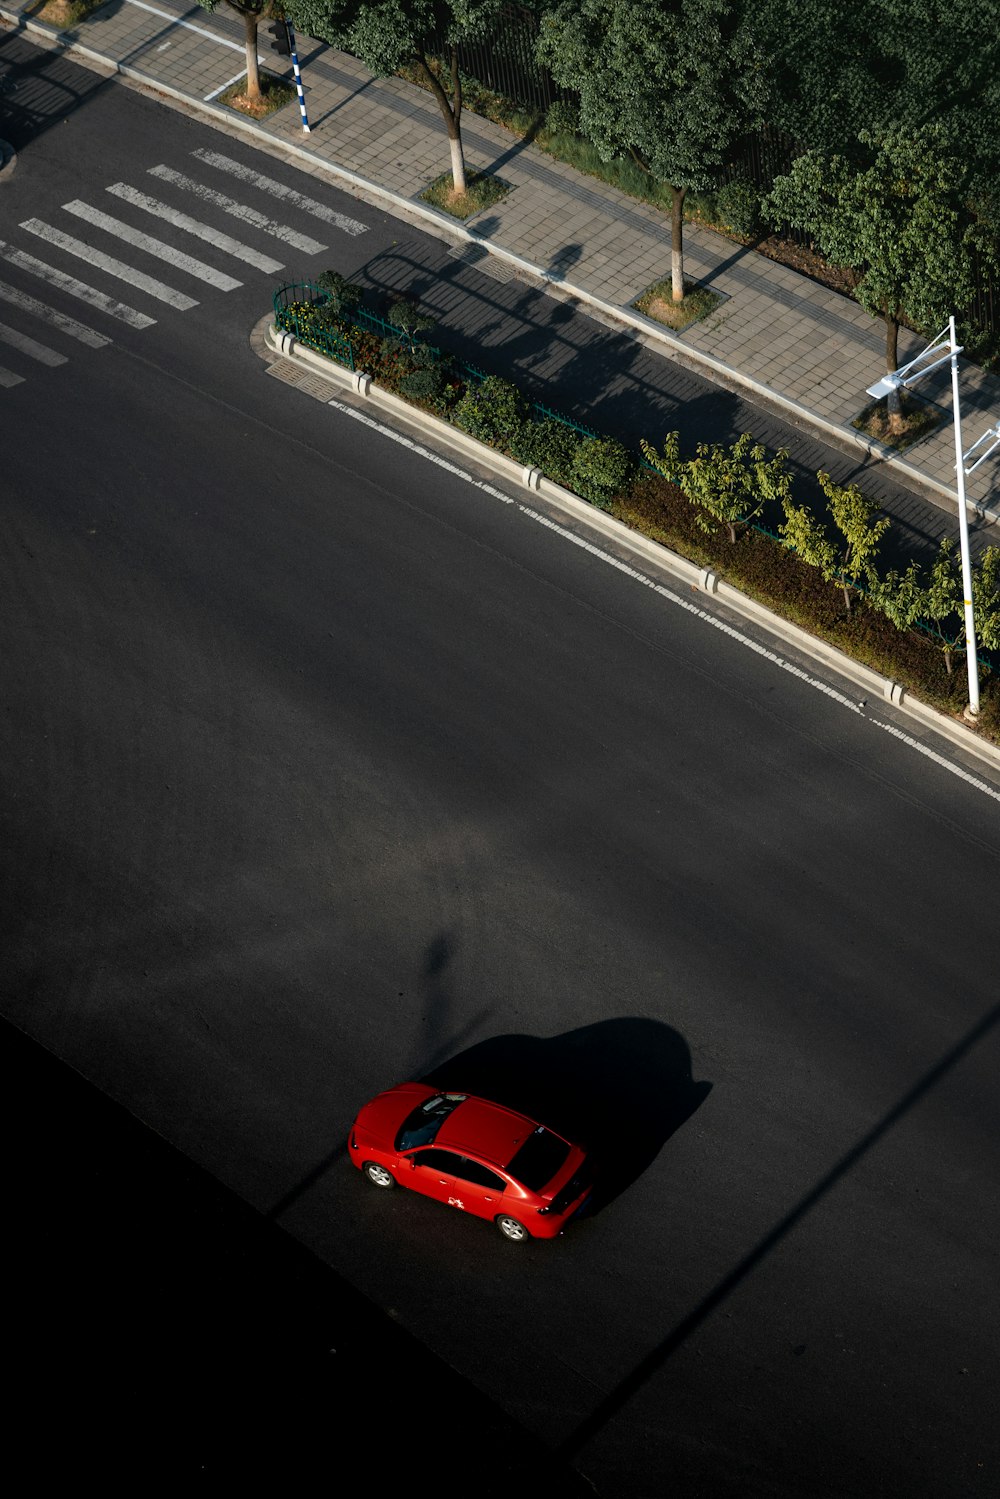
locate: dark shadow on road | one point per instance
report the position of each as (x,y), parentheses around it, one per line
(620,1087)
(39,90)
(654,1361)
(434,999)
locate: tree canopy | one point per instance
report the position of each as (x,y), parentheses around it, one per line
(897,212)
(670,85)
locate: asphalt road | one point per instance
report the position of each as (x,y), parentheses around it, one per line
(323,769)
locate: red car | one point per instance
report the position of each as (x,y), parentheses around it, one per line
(473,1155)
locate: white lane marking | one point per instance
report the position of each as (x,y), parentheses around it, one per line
(78,289)
(154,247)
(180,220)
(223,86)
(109,265)
(41,353)
(279,190)
(8,378)
(47,314)
(239,210)
(675,598)
(188,26)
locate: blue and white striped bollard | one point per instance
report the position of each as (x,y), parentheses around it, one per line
(298,77)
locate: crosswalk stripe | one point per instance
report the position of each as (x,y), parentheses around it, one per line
(279,190)
(192,226)
(110,266)
(76,288)
(8,378)
(30,346)
(152,246)
(239,210)
(49,315)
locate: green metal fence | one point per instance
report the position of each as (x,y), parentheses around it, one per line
(297,311)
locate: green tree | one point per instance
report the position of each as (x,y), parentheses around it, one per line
(342,296)
(943,603)
(853,516)
(986,599)
(899,596)
(390,34)
(808,538)
(404,313)
(839,69)
(252,12)
(897,214)
(729,486)
(671,85)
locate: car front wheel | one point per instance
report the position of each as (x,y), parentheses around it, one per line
(378,1175)
(511,1229)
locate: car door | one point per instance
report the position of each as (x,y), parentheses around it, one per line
(477,1189)
(432,1172)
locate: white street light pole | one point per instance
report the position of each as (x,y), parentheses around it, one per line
(963,533)
(946,350)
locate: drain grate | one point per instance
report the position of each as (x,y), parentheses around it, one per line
(484,262)
(310,385)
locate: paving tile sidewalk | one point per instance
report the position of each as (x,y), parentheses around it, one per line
(776,332)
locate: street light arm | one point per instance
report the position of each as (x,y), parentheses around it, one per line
(908,374)
(993,432)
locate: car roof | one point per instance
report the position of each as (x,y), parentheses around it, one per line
(485,1129)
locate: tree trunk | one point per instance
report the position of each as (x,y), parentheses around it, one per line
(451,109)
(253,75)
(894,400)
(677,244)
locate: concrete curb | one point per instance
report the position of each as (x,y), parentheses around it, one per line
(641,548)
(443,226)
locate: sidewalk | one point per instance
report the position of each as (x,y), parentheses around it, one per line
(777,334)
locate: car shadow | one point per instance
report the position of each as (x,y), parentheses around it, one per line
(620,1088)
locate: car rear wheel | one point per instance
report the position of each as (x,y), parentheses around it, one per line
(511,1229)
(378,1175)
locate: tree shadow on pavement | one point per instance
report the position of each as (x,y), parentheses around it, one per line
(620,1087)
(39,89)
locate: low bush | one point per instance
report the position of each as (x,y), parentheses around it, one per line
(738,207)
(493,412)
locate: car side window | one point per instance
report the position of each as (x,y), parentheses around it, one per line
(437,1160)
(480,1176)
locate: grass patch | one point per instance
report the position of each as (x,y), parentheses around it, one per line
(65,13)
(657,303)
(482,191)
(275,94)
(917,419)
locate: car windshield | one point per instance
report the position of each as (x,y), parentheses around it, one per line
(420,1127)
(538,1159)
